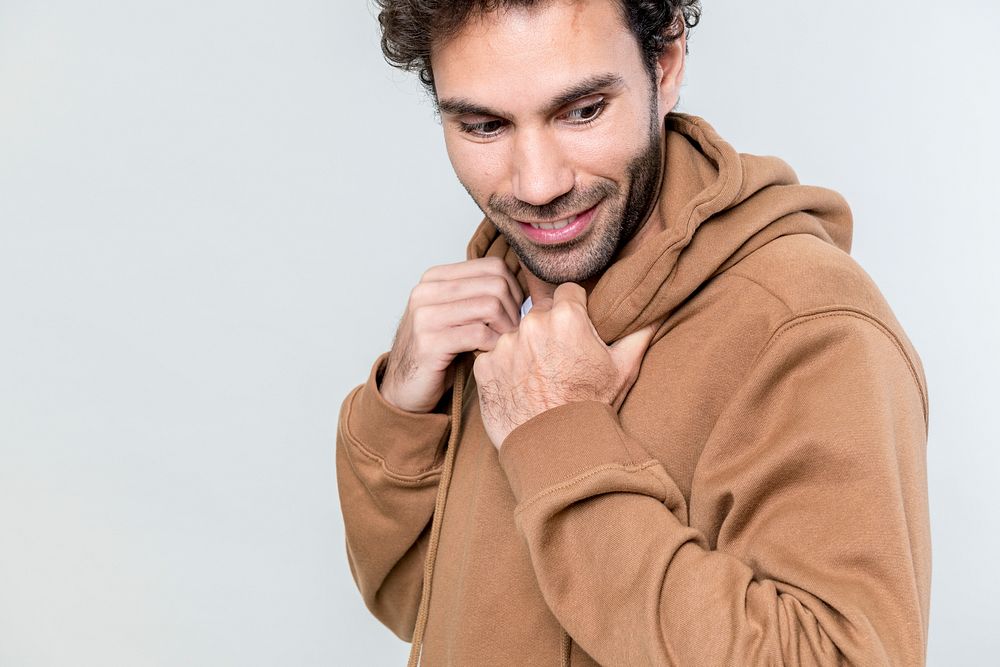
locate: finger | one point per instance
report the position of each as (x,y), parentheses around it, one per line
(480,309)
(543,304)
(629,351)
(570,292)
(443,291)
(467,337)
(482,266)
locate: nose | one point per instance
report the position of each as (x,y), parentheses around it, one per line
(541,169)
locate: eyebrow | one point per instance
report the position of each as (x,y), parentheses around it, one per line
(459,106)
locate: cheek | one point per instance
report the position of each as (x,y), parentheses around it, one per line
(477,167)
(608,149)
(606,156)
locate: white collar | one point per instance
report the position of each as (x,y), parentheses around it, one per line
(526,306)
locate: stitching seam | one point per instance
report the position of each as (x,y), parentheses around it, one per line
(421,475)
(864,317)
(630,468)
(736,274)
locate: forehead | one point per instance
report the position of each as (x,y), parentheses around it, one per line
(518,56)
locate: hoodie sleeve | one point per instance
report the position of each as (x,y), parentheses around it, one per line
(813,483)
(388,466)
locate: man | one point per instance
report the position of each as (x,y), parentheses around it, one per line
(703,444)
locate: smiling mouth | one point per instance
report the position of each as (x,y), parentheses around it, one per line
(560,232)
(556,224)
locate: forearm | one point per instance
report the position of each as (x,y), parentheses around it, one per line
(634,584)
(388,467)
(806,540)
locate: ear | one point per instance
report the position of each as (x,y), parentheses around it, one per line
(670,73)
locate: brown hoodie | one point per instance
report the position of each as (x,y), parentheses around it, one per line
(760,497)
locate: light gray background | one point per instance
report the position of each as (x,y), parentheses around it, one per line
(211,214)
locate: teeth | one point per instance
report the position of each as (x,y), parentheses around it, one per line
(559,224)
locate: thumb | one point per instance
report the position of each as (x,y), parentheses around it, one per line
(543,304)
(628,351)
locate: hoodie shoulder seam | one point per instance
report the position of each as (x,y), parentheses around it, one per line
(847,311)
(777,298)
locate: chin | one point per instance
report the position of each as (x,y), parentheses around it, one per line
(578,260)
(567,265)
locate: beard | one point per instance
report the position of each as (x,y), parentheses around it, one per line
(623,213)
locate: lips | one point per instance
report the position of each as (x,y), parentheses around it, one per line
(559,231)
(558,224)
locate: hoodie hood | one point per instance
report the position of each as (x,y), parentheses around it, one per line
(715,207)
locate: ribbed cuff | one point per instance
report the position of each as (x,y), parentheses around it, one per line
(563,442)
(408,442)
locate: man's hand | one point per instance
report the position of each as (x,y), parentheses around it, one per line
(455,308)
(555,357)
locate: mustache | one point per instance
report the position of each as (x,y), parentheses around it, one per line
(574,201)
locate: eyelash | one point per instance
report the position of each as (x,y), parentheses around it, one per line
(477,129)
(599,106)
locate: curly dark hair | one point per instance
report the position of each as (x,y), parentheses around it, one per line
(410,27)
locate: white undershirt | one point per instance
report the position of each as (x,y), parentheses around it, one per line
(526,306)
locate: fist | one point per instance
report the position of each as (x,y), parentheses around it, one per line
(555,357)
(455,308)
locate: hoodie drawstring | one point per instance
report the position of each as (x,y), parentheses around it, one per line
(458,388)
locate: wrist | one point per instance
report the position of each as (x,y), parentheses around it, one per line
(385,389)
(389,392)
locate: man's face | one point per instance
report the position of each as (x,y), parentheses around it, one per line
(550,117)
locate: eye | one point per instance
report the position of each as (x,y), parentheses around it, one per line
(586,114)
(485,129)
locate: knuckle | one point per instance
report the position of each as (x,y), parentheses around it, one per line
(571,308)
(428,275)
(497,286)
(496,264)
(501,343)
(417,295)
(438,272)
(480,336)
(481,364)
(419,317)
(496,309)
(563,310)
(487,336)
(565,319)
